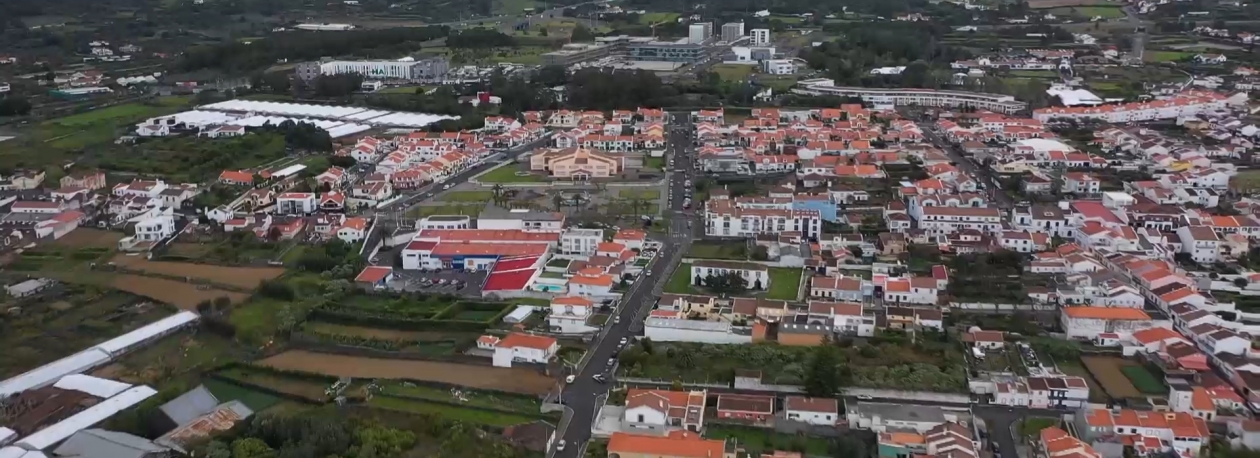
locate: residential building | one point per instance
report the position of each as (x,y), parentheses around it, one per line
(494,217)
(1088,322)
(91,180)
(576,163)
(296,203)
(1200,242)
(747,408)
(570,313)
(581,242)
(948,220)
(999,103)
(814,411)
(663,410)
(741,218)
(1177,432)
(760,37)
(524,348)
(677,444)
(757,275)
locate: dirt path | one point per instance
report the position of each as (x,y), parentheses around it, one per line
(514,380)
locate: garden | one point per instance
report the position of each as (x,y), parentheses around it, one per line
(890,361)
(414,312)
(1122,378)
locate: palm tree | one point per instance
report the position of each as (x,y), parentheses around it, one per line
(558,201)
(497,194)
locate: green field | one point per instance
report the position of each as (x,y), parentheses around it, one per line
(758,440)
(511,7)
(654,163)
(466,196)
(645,194)
(1088,12)
(449,412)
(1033,74)
(714,250)
(473,398)
(402,90)
(680,281)
(784,283)
(1034,425)
(507,174)
(733,72)
(654,18)
(52,141)
(1246,180)
(1165,56)
(1144,380)
(255,400)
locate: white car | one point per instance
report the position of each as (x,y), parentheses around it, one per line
(570,379)
(560,446)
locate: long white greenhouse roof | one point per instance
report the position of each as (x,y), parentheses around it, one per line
(95,386)
(51,372)
(58,432)
(280,111)
(146,332)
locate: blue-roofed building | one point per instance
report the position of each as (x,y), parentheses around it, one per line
(826,209)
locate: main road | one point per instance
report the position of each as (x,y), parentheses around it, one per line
(955,153)
(584,395)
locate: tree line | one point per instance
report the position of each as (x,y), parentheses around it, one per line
(301,46)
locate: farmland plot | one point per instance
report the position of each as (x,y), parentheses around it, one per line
(242,277)
(515,380)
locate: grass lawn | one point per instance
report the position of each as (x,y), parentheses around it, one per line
(449,412)
(474,398)
(1165,56)
(402,90)
(653,18)
(1034,74)
(680,282)
(784,283)
(1246,180)
(255,400)
(507,174)
(510,7)
(654,163)
(733,72)
(48,142)
(712,250)
(1033,425)
(1144,380)
(758,440)
(1106,12)
(645,194)
(466,196)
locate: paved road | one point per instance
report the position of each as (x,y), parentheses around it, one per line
(955,153)
(581,396)
(1000,420)
(396,209)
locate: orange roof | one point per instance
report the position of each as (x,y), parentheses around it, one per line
(897,286)
(1105,313)
(610,247)
(684,444)
(487,249)
(373,274)
(630,234)
(1147,336)
(1199,399)
(517,339)
(490,235)
(488,340)
(236,176)
(356,223)
(572,300)
(602,280)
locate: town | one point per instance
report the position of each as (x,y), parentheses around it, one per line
(630,229)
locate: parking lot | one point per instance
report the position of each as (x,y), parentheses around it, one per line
(445,281)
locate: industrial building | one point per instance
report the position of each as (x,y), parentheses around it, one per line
(406,68)
(667,51)
(573,53)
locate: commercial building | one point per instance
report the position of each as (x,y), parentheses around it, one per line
(667,51)
(732,31)
(699,33)
(407,68)
(1089,322)
(779,66)
(760,37)
(921,97)
(573,53)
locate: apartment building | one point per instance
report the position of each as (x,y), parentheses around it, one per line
(1188,103)
(948,220)
(727,218)
(921,97)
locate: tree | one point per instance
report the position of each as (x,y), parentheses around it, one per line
(14,105)
(581,34)
(822,377)
(1240,282)
(251,448)
(218,449)
(338,85)
(730,283)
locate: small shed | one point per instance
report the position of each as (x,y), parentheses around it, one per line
(28,287)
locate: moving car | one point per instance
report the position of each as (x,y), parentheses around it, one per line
(570,379)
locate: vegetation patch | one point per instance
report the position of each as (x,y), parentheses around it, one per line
(785,283)
(508,174)
(1144,380)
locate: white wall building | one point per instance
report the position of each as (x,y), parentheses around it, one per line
(527,348)
(570,313)
(814,411)
(681,330)
(1201,242)
(760,37)
(580,241)
(1088,322)
(757,275)
(779,66)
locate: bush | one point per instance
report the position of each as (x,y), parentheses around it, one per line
(276,289)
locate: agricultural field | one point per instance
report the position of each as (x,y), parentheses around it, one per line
(733,72)
(241,277)
(56,140)
(1111,372)
(182,356)
(483,399)
(761,440)
(411,342)
(930,365)
(512,380)
(1165,56)
(240,248)
(254,399)
(1096,393)
(186,296)
(449,412)
(311,389)
(1144,380)
(86,237)
(1042,4)
(66,320)
(657,17)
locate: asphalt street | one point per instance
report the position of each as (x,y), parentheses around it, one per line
(992,188)
(581,395)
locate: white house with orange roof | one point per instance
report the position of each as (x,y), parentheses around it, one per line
(631,238)
(524,348)
(296,203)
(1152,340)
(1148,431)
(592,282)
(353,229)
(663,410)
(1057,443)
(569,315)
(914,290)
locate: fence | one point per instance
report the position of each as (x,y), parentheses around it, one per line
(1002,308)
